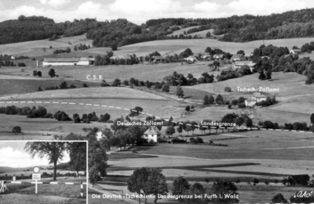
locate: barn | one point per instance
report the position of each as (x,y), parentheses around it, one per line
(72,61)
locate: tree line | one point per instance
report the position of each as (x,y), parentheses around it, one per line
(121,32)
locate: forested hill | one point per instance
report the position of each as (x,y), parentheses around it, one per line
(122,32)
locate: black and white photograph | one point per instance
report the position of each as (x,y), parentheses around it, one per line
(49,172)
(176,101)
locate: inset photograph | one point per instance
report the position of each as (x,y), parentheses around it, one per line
(50,172)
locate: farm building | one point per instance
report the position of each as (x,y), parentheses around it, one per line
(73,61)
(151,135)
(239,64)
(256,98)
(190,59)
(218,57)
(206,57)
(238,57)
(295,51)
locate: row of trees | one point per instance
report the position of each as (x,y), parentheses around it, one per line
(151,181)
(177,79)
(302,126)
(87,118)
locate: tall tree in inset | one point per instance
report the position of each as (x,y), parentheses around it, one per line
(54,151)
(77,151)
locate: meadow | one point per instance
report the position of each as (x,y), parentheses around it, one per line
(294,97)
(42,47)
(266,155)
(199,45)
(150,72)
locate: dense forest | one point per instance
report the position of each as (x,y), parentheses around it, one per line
(122,32)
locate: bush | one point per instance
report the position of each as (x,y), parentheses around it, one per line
(76,118)
(279,198)
(228,89)
(61,116)
(180,186)
(165,88)
(17,130)
(300,126)
(208,100)
(63,85)
(21,64)
(180,92)
(196,140)
(300,180)
(177,140)
(219,99)
(39,112)
(104,118)
(52,73)
(269,125)
(116,82)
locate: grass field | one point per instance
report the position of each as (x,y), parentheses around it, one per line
(23,85)
(144,72)
(42,47)
(294,96)
(264,155)
(199,45)
(182,30)
(87,93)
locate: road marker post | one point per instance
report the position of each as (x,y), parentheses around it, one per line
(36,176)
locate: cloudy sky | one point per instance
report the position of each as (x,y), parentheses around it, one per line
(13,155)
(139,11)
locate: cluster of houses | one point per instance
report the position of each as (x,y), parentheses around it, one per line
(238,60)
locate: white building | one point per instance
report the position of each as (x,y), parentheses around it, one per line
(73,61)
(190,59)
(239,64)
(151,135)
(295,51)
(256,98)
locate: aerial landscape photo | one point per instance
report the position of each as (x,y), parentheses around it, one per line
(156,101)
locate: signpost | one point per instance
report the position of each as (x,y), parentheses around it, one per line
(36,176)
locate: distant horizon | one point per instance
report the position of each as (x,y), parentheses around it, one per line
(192,18)
(139,11)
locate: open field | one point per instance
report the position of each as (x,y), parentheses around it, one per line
(42,47)
(151,72)
(24,85)
(115,100)
(294,96)
(182,30)
(85,93)
(199,45)
(247,154)
(266,155)
(36,129)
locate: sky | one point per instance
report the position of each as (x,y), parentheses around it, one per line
(138,11)
(13,155)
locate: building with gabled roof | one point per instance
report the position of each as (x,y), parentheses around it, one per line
(151,134)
